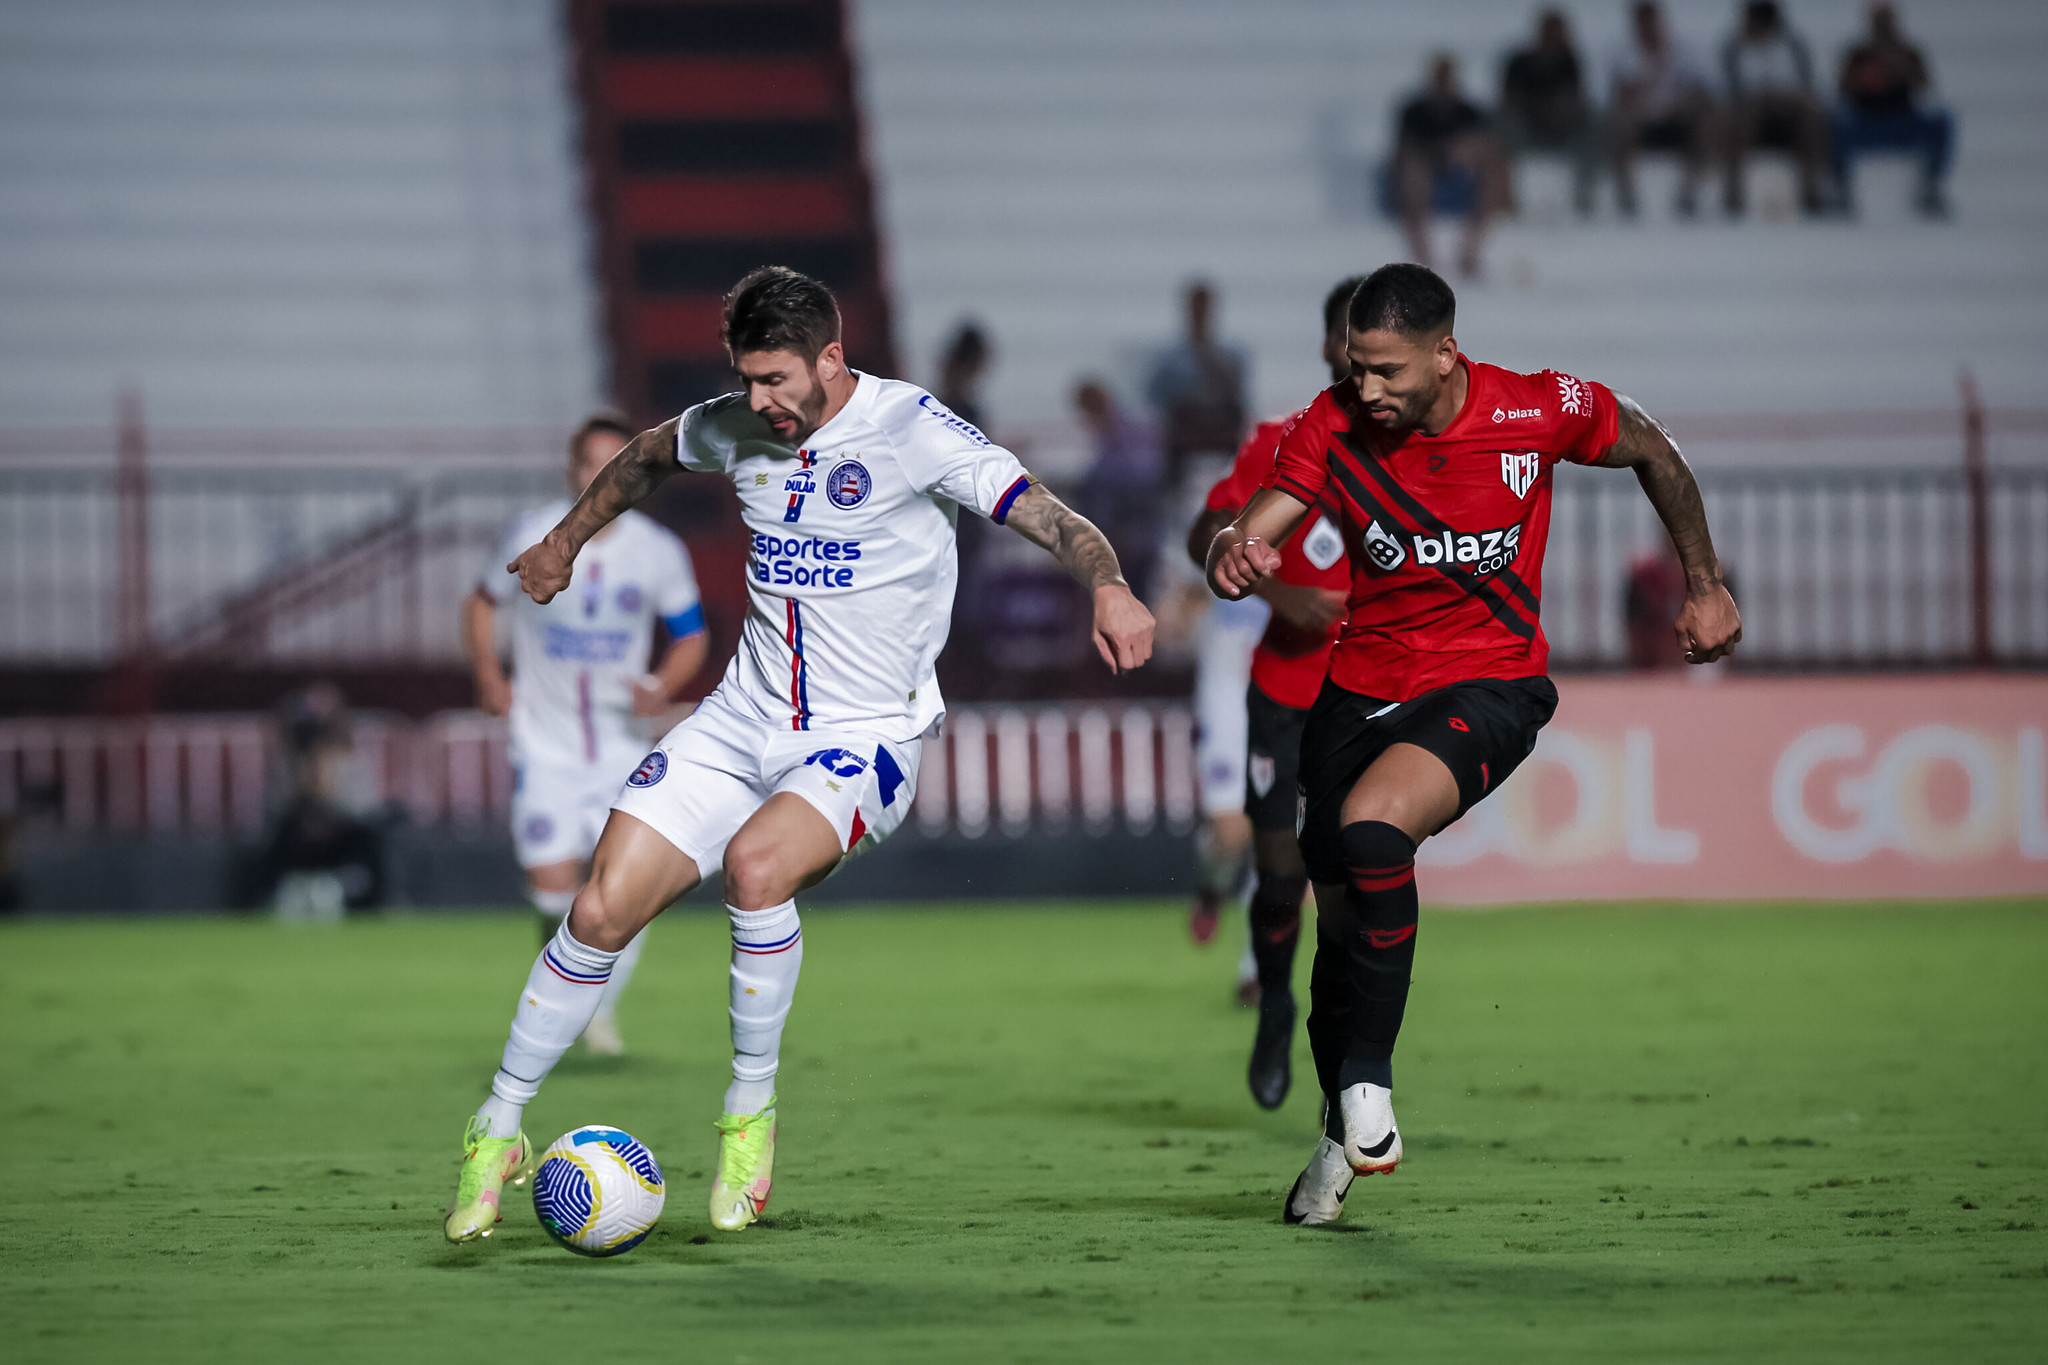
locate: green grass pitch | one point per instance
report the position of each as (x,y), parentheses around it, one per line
(1021,1133)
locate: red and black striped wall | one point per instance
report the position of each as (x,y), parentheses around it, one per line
(721,137)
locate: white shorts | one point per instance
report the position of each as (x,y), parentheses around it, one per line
(1223,671)
(713,771)
(558,811)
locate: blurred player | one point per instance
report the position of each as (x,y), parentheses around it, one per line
(578,681)
(808,750)
(1306,594)
(1442,469)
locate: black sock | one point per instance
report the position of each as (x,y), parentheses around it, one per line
(1276,929)
(1330,1009)
(1379,947)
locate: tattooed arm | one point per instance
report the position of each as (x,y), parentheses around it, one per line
(1708,625)
(1123,628)
(633,473)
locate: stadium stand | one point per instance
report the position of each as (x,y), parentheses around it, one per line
(1243,138)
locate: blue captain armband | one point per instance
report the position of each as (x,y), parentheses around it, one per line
(685,623)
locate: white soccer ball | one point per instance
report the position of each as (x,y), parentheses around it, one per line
(598,1191)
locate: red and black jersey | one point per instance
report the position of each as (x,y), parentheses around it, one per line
(1290,662)
(1445,532)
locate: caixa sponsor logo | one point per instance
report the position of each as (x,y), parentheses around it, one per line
(1478,552)
(1888,799)
(803,561)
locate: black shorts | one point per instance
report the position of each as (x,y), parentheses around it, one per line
(1482,730)
(1272,761)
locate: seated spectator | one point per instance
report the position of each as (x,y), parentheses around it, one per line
(1661,103)
(1771,103)
(1884,78)
(1543,106)
(960,372)
(1198,386)
(1436,130)
(1121,491)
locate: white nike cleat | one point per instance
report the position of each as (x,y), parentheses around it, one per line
(1318,1193)
(601,1037)
(1372,1144)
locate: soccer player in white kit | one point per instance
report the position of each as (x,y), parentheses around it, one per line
(808,750)
(578,683)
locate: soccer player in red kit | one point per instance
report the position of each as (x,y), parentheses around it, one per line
(1306,594)
(1442,469)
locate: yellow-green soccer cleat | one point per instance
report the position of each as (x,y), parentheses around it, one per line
(488,1165)
(746,1168)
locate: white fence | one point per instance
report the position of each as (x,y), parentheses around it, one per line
(1001,771)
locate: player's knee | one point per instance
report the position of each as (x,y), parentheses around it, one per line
(595,922)
(754,876)
(1376,849)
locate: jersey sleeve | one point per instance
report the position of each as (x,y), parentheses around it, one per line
(945,456)
(677,601)
(1588,418)
(1301,465)
(707,434)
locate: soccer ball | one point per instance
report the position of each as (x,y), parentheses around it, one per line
(598,1191)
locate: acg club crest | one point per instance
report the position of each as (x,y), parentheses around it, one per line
(848,485)
(1518,471)
(652,769)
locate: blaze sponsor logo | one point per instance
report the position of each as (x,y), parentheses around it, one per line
(1515,414)
(848,484)
(807,561)
(839,762)
(1518,470)
(1571,395)
(1383,549)
(652,769)
(953,420)
(1481,552)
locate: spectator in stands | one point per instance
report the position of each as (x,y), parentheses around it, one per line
(1543,106)
(1436,131)
(1121,491)
(960,371)
(1661,103)
(1771,103)
(1884,78)
(1198,388)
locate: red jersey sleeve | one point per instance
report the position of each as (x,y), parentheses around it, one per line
(1301,466)
(1247,474)
(1588,418)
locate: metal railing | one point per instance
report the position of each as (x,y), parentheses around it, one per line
(1000,772)
(351,560)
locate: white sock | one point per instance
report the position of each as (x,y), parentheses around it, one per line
(622,972)
(767,954)
(562,991)
(553,904)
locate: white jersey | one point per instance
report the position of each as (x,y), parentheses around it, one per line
(852,566)
(575,660)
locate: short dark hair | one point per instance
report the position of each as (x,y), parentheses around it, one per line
(1410,299)
(777,309)
(607,421)
(1338,301)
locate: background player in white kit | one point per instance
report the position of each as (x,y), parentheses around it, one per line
(808,750)
(578,683)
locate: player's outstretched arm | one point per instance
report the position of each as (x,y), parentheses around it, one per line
(633,473)
(1243,553)
(1123,628)
(1708,624)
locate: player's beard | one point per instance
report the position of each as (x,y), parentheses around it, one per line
(1401,413)
(808,416)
